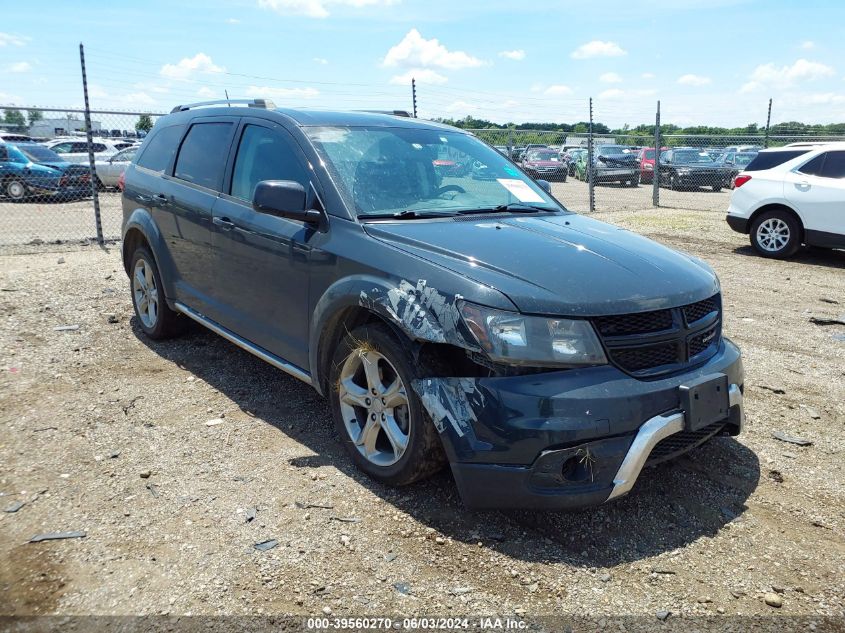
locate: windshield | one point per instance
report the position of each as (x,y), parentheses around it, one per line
(613,150)
(40,154)
(692,156)
(543,155)
(382,171)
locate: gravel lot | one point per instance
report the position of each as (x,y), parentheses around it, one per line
(161,453)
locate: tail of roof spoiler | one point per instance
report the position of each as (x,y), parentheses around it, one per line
(402,113)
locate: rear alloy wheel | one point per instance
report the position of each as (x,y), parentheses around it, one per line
(377,414)
(15,189)
(776,234)
(155,317)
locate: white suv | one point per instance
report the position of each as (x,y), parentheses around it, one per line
(790,196)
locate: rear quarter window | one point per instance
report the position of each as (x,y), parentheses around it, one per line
(161,148)
(767,160)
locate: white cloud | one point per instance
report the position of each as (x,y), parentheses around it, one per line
(612,93)
(414,51)
(19,67)
(516,55)
(8,98)
(321,60)
(610,78)
(693,80)
(316,8)
(464,107)
(198,64)
(233,21)
(281,94)
(10,39)
(808,44)
(772,76)
(597,48)
(558,89)
(420,75)
(205,91)
(647,75)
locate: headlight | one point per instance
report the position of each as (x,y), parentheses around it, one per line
(515,339)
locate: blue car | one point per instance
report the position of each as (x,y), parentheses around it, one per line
(30,170)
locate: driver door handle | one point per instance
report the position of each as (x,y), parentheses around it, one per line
(224,223)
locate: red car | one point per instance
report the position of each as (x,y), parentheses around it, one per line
(646,160)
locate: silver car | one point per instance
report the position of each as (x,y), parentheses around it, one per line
(109,170)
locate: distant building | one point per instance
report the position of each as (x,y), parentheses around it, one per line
(48,128)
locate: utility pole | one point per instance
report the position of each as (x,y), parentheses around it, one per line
(90,140)
(655,173)
(768,123)
(590,161)
(414,95)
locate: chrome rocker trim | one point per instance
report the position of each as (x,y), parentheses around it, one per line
(275,361)
(652,432)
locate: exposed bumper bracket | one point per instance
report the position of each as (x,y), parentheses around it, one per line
(650,434)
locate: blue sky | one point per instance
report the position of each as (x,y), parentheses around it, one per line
(708,61)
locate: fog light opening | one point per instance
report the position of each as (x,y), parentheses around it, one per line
(579,467)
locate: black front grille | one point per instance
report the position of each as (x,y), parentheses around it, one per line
(648,344)
(639,358)
(681,442)
(697,311)
(638,323)
(700,342)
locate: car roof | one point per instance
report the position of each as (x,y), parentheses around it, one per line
(316,118)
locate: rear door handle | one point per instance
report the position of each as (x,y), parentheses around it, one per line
(160,197)
(224,223)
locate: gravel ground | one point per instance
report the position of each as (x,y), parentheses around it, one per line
(162,453)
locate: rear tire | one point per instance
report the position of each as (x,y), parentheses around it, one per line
(717,188)
(154,316)
(776,234)
(384,427)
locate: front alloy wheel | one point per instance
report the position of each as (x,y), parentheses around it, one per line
(374,406)
(378,416)
(15,190)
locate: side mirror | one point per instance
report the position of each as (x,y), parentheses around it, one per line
(545,186)
(285,199)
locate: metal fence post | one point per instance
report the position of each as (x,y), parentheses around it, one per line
(90,140)
(768,122)
(590,160)
(510,142)
(655,174)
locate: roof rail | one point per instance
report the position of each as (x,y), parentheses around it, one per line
(265,104)
(402,113)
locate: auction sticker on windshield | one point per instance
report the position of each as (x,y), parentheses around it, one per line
(520,189)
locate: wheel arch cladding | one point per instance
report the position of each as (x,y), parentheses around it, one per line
(416,311)
(141,230)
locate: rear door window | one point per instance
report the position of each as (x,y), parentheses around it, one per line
(767,160)
(160,150)
(202,156)
(834,165)
(813,167)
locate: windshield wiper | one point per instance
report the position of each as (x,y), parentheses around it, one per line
(511,207)
(407,214)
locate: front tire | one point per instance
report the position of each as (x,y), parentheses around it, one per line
(14,189)
(776,234)
(378,416)
(154,316)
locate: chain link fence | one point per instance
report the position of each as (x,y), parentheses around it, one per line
(48,190)
(50,194)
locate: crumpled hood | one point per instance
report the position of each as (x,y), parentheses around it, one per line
(544,163)
(557,264)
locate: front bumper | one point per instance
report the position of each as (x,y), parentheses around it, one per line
(700,179)
(616,173)
(567,439)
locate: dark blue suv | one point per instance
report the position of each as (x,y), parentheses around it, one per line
(548,357)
